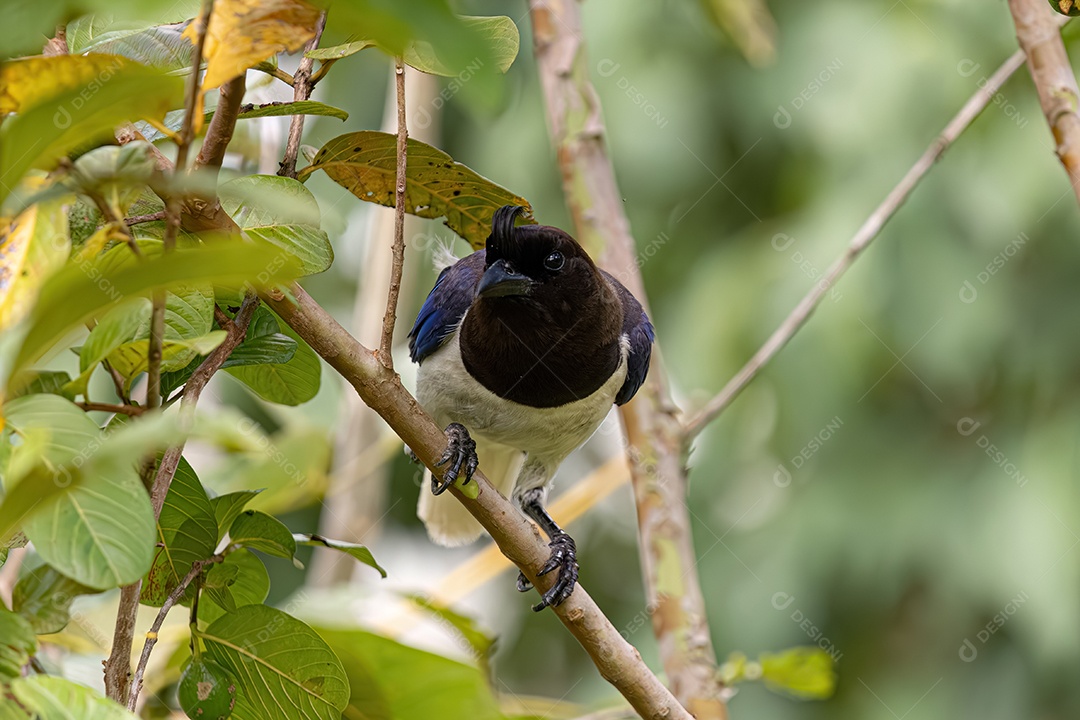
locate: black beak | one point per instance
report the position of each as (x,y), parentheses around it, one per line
(500,280)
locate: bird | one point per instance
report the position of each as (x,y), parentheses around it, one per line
(523,348)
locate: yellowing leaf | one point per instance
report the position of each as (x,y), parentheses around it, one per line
(31,246)
(364,163)
(805,672)
(243,33)
(27,81)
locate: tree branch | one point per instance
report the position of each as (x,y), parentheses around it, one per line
(381,389)
(386,346)
(863,237)
(108,407)
(1038,28)
(152,634)
(302,87)
(235,332)
(652,429)
(220,131)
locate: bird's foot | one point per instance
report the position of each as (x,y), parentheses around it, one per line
(564,558)
(460,453)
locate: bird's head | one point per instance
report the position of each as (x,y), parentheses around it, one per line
(534,263)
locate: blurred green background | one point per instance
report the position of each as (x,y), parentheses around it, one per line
(899,486)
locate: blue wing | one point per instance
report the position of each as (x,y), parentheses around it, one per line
(637,327)
(446,304)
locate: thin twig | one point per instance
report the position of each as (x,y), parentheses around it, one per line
(152,634)
(1038,30)
(118,664)
(235,332)
(125,409)
(274,71)
(139,219)
(387,343)
(618,662)
(118,382)
(865,235)
(302,87)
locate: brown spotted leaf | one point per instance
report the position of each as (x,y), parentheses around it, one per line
(364,163)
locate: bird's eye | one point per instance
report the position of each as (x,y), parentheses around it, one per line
(554,261)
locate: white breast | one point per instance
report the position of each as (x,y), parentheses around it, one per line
(450,394)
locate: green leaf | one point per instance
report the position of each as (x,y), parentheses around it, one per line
(291,383)
(17,643)
(284,669)
(391,680)
(77,293)
(44,598)
(241,579)
(499,33)
(365,164)
(160,46)
(228,506)
(187,533)
(115,174)
(276,349)
(302,107)
(805,672)
(359,552)
(83,114)
(130,359)
(117,327)
(54,698)
(337,52)
(32,382)
(100,531)
(259,531)
(283,212)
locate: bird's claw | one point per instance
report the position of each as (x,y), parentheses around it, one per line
(564,559)
(460,452)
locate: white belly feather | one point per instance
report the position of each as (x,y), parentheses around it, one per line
(545,436)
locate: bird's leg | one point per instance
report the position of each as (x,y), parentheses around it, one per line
(563,552)
(460,451)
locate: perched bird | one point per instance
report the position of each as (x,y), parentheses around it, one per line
(523,347)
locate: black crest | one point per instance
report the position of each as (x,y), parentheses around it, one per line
(502,228)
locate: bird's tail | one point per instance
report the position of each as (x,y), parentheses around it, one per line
(448,522)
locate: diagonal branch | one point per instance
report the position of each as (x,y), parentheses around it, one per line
(1038,29)
(386,345)
(220,131)
(653,431)
(155,627)
(865,235)
(381,389)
